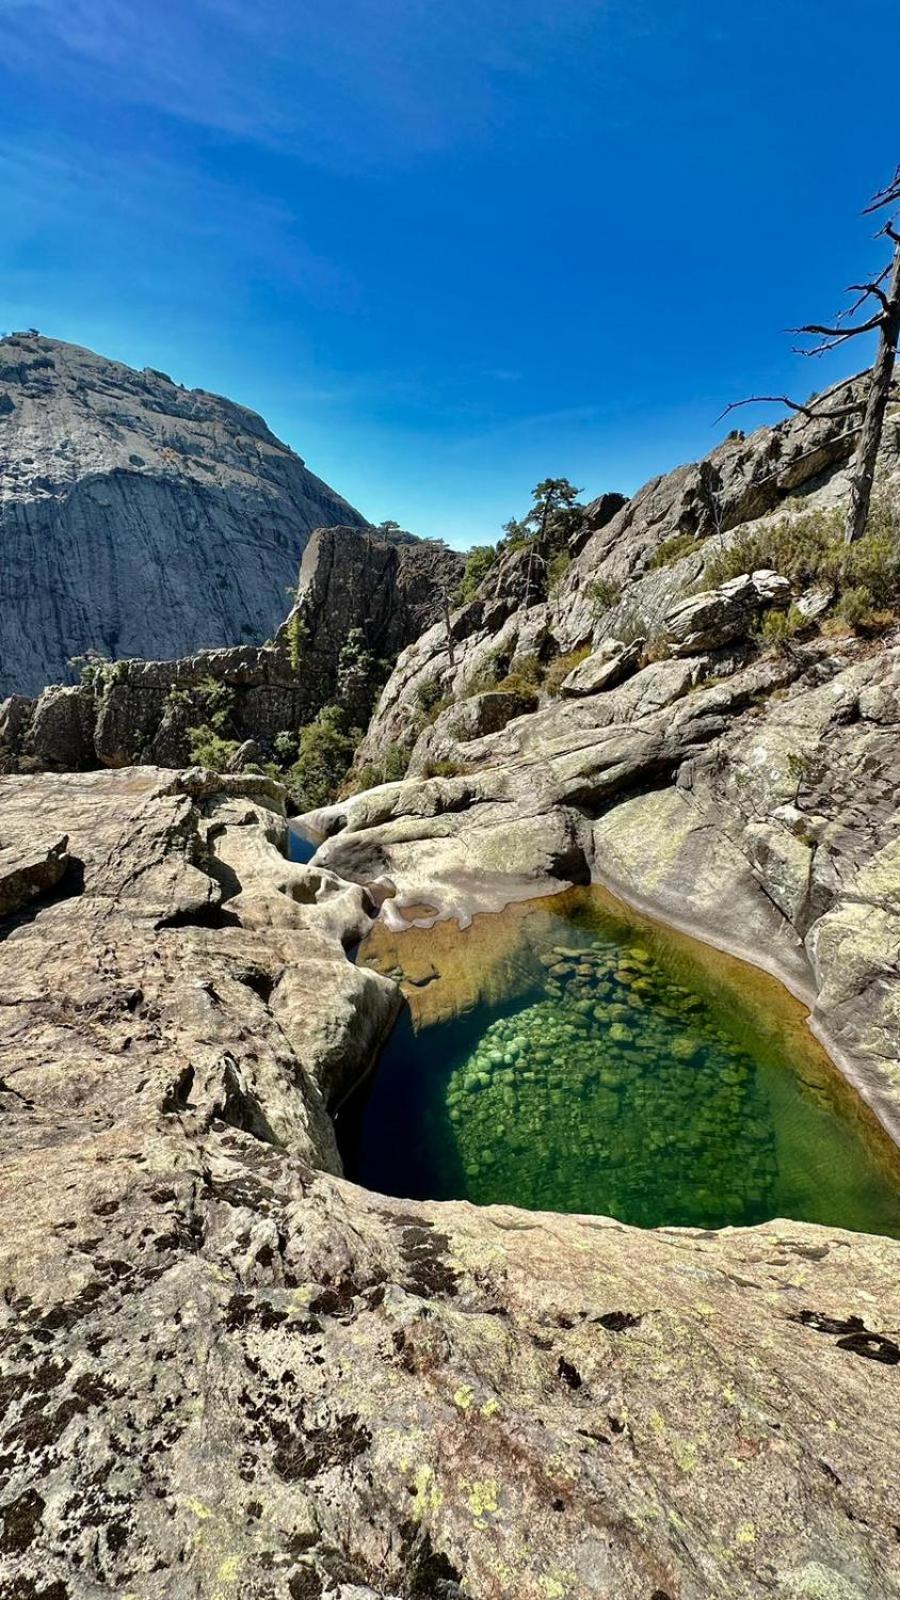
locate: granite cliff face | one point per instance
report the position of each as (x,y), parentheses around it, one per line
(351,581)
(138,518)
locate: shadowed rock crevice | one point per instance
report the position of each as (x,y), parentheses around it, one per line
(66,875)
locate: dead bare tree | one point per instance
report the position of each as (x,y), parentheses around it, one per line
(887,320)
(884,291)
(445,611)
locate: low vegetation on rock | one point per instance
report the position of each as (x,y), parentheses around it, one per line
(809,547)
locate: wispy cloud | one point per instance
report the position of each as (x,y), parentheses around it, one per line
(349,86)
(156,207)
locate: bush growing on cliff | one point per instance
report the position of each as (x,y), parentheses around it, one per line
(284,748)
(778,628)
(855,606)
(359,676)
(215,700)
(524,676)
(671,550)
(297,640)
(390,769)
(479,561)
(209,741)
(559,669)
(208,749)
(325,752)
(429,692)
(90,667)
(442,769)
(810,548)
(557,570)
(603,594)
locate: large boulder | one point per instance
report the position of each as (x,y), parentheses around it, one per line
(61,734)
(610,664)
(720,616)
(475,718)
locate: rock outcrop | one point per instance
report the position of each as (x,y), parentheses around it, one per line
(227,1372)
(224,1370)
(138,517)
(352,581)
(743,792)
(639,562)
(717,617)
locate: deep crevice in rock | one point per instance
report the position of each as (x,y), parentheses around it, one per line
(68,887)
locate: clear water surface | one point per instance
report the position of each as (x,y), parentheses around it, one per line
(578,1057)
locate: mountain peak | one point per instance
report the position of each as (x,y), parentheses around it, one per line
(138,517)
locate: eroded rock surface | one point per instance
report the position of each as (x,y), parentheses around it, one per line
(227,1372)
(758,808)
(224,1371)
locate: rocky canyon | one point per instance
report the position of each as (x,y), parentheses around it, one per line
(227,1371)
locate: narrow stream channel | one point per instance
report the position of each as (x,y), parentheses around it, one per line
(572,1055)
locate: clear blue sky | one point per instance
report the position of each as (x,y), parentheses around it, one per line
(448,247)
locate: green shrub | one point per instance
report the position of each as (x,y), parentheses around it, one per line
(442,769)
(429,692)
(559,669)
(810,548)
(673,549)
(357,675)
(284,746)
(557,570)
(432,700)
(524,677)
(603,594)
(178,701)
(325,751)
(778,628)
(91,668)
(479,561)
(298,639)
(215,700)
(390,769)
(208,749)
(855,606)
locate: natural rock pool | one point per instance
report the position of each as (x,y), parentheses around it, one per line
(572,1055)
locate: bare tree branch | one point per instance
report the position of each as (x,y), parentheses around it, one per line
(884,197)
(793,405)
(840,333)
(820,349)
(864,290)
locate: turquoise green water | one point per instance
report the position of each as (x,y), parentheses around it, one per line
(619,1069)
